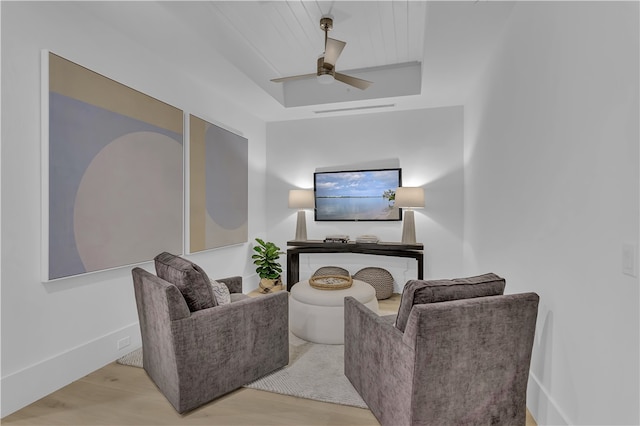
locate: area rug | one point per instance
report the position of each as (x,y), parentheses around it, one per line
(315,371)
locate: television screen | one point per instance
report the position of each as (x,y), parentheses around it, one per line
(357,195)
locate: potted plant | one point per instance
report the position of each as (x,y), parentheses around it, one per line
(267,266)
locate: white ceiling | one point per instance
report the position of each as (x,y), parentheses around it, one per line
(237,47)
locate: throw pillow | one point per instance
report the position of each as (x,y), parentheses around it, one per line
(420,291)
(220,292)
(190,279)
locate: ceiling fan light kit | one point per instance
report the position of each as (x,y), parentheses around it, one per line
(325,78)
(326,72)
(326,75)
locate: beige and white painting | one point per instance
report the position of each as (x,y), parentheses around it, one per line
(218,186)
(115,173)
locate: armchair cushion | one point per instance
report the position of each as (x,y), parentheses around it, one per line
(190,279)
(236,297)
(418,292)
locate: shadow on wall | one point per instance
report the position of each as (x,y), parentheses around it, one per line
(541,367)
(539,398)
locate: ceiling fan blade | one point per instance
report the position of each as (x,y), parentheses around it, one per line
(353,81)
(294,77)
(332,51)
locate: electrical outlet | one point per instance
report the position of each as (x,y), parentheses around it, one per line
(630,259)
(124,342)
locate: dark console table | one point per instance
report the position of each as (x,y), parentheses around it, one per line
(318,246)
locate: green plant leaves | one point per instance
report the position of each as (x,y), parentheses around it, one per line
(265,258)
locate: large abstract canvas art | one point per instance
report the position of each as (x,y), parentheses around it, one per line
(218,186)
(113,172)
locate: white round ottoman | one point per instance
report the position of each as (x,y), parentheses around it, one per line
(318,315)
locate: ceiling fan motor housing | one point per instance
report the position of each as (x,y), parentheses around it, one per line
(325,68)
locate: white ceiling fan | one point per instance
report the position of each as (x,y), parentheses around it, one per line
(326,71)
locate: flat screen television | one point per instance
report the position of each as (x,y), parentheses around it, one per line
(357,195)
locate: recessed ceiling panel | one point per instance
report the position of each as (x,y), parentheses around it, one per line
(389,81)
(287,37)
(236,48)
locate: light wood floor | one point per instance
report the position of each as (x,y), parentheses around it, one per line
(120,395)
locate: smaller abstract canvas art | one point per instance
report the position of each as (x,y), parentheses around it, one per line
(218,186)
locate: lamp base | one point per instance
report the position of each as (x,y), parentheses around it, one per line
(408,228)
(301,226)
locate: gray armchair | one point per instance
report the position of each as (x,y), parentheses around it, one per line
(195,356)
(458,354)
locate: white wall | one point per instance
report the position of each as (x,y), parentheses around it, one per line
(552,185)
(427,144)
(551,194)
(56,332)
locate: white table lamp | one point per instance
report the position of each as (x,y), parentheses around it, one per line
(301,199)
(409,198)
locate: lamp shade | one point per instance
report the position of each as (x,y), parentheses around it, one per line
(410,197)
(301,199)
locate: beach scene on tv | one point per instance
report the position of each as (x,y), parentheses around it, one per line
(357,195)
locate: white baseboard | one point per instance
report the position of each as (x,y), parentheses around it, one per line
(28,385)
(542,406)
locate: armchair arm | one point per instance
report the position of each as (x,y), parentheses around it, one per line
(378,363)
(234,284)
(222,348)
(159,303)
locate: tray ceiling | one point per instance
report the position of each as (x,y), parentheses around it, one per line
(418,53)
